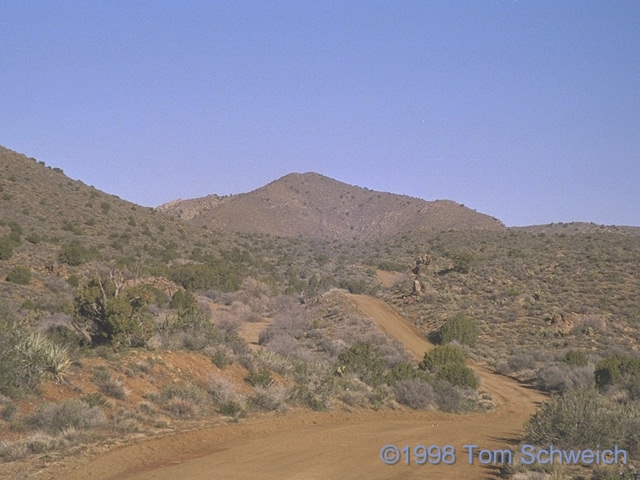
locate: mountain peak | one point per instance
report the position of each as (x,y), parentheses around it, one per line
(313,205)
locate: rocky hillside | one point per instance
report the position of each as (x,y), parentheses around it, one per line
(312,205)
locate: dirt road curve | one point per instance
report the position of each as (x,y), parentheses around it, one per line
(304,446)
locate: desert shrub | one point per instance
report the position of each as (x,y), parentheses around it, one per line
(65,336)
(186,391)
(9,411)
(111,386)
(195,332)
(19,275)
(458,374)
(291,320)
(42,442)
(12,451)
(316,393)
(34,238)
(610,370)
(74,254)
(56,417)
(462,262)
(450,398)
(111,316)
(181,407)
(16,375)
(415,393)
(284,344)
(364,360)
(577,358)
(390,266)
(220,358)
(441,355)
(94,399)
(269,399)
(215,273)
(184,301)
(583,418)
(404,371)
(260,377)
(459,328)
(520,362)
(43,357)
(563,377)
(231,408)
(354,285)
(222,390)
(6,248)
(184,400)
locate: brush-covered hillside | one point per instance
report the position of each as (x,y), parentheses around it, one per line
(315,206)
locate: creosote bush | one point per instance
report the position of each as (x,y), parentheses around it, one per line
(19,275)
(459,328)
(442,355)
(576,358)
(366,361)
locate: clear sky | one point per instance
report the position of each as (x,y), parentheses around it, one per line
(526,110)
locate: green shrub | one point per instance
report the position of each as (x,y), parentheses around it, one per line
(220,359)
(356,286)
(184,301)
(461,329)
(389,266)
(19,275)
(6,248)
(213,274)
(441,355)
(260,377)
(34,238)
(576,358)
(111,316)
(74,254)
(365,360)
(230,408)
(404,371)
(462,262)
(611,370)
(16,376)
(458,374)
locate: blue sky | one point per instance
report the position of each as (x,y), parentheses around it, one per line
(526,110)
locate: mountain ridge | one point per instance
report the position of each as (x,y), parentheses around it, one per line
(313,205)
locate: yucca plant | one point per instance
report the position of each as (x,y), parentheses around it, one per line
(39,354)
(57,362)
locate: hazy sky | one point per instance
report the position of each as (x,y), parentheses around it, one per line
(526,110)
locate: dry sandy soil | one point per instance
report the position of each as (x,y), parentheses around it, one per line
(305,446)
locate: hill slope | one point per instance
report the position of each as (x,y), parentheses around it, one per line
(312,205)
(45,211)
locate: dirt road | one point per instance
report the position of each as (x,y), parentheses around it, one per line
(306,446)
